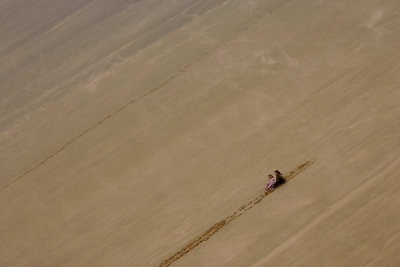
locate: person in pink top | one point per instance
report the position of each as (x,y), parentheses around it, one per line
(271,182)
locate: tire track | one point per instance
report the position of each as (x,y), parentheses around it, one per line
(164,83)
(219,225)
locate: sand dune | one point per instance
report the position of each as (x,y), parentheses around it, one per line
(129,128)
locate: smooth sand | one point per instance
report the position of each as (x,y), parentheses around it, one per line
(128,128)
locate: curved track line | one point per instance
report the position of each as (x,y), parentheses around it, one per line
(219,225)
(168,80)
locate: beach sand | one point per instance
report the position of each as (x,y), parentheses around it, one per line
(129,128)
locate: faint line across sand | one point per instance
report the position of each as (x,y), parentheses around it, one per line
(317,220)
(219,225)
(168,80)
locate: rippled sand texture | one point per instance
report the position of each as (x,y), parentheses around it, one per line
(129,128)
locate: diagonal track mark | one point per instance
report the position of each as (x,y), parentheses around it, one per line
(327,213)
(172,77)
(115,112)
(219,225)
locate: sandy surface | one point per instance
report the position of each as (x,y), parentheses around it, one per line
(128,128)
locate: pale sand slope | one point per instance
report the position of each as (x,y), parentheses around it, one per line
(241,88)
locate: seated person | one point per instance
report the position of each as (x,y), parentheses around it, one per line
(279,178)
(271,182)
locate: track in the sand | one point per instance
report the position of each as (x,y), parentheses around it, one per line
(219,225)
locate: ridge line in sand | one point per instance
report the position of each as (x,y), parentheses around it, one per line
(238,212)
(132,101)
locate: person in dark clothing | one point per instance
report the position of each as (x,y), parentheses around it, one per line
(280,179)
